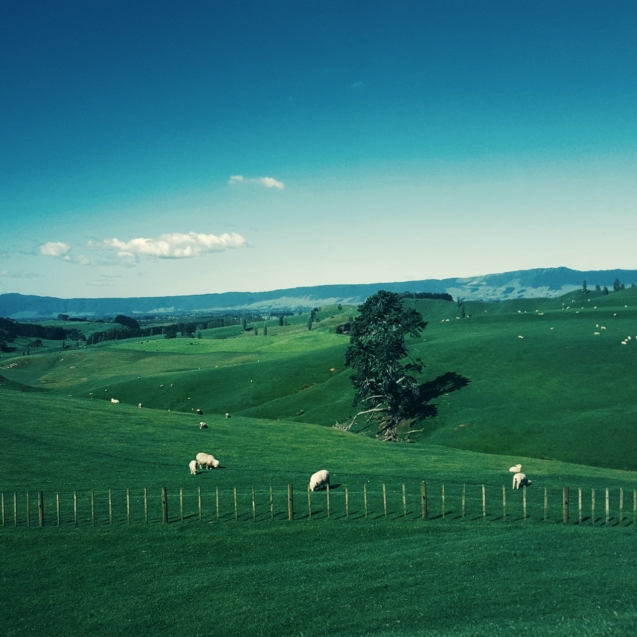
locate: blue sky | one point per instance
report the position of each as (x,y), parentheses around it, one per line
(154,148)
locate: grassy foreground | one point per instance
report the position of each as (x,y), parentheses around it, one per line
(320,578)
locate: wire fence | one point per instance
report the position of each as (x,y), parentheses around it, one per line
(419,501)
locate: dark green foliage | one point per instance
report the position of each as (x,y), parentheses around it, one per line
(244,323)
(281,321)
(584,288)
(598,288)
(617,286)
(10,329)
(127,321)
(265,329)
(386,387)
(605,290)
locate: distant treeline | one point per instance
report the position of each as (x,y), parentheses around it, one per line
(440,296)
(9,329)
(126,328)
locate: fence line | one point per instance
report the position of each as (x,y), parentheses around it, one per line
(338,502)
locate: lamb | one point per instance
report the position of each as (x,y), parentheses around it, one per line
(114,400)
(520,480)
(516,468)
(203,425)
(319,480)
(193,467)
(199,412)
(206,460)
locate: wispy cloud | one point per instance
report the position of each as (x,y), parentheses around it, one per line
(56,249)
(20,275)
(172,246)
(268,182)
(358,86)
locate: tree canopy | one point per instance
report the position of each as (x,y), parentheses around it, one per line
(383,376)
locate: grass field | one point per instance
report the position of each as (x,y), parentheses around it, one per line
(560,400)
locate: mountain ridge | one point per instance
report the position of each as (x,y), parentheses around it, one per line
(532,283)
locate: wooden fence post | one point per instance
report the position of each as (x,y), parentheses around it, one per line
(15,509)
(3,508)
(579,504)
(40,508)
(271,504)
(524,504)
(621,506)
(236,508)
(92,508)
(385,500)
(565,505)
(145,505)
(327,499)
(199,504)
(607,507)
(254,507)
(181,503)
(404,502)
(75,507)
(346,503)
(546,504)
(504,503)
(423,500)
(309,503)
(217,502)
(28,510)
(128,505)
(110,507)
(592,506)
(484,503)
(442,493)
(57,505)
(464,499)
(634,506)
(291,500)
(164,505)
(365,498)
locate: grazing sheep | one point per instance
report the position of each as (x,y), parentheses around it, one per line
(516,468)
(199,412)
(140,405)
(193,467)
(319,480)
(228,415)
(114,400)
(203,425)
(206,460)
(520,480)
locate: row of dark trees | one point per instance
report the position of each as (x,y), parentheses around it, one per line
(9,329)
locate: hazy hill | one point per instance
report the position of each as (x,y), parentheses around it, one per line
(539,282)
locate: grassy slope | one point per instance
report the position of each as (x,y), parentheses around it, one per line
(559,393)
(275,578)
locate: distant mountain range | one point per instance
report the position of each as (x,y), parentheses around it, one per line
(539,282)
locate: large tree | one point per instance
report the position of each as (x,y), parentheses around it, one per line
(386,388)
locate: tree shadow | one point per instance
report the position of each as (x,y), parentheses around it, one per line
(448,382)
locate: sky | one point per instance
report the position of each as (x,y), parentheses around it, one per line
(162,148)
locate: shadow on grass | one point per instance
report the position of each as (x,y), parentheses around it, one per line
(444,384)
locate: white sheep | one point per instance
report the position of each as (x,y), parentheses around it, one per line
(319,480)
(520,480)
(140,405)
(228,415)
(516,468)
(203,425)
(114,400)
(199,412)
(193,467)
(206,460)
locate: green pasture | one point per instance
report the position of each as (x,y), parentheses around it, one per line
(561,392)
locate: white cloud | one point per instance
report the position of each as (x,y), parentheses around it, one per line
(56,249)
(20,275)
(268,182)
(173,246)
(358,86)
